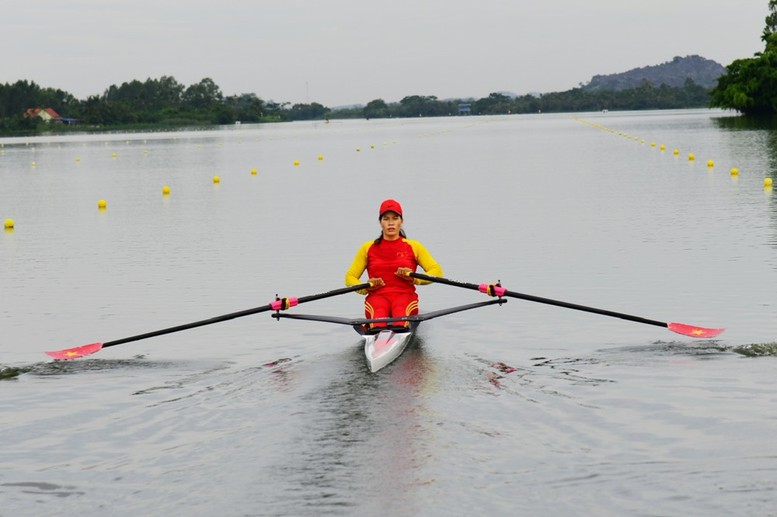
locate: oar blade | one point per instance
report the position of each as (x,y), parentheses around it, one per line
(75,353)
(693,331)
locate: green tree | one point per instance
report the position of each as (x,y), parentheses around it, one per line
(770,31)
(423,106)
(495,103)
(203,96)
(376,109)
(246,107)
(750,85)
(312,111)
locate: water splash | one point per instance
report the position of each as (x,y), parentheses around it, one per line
(9,372)
(757,349)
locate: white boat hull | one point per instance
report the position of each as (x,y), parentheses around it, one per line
(383,348)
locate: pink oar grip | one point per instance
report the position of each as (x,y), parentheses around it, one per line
(492,289)
(283,304)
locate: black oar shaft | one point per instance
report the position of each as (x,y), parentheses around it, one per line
(233,315)
(577,307)
(540,299)
(187,326)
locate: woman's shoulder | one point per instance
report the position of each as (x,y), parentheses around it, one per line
(415,245)
(412,242)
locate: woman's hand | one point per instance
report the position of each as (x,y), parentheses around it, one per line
(404,274)
(375,283)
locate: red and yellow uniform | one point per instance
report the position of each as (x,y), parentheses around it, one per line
(381,259)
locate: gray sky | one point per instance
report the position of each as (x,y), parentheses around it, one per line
(339,52)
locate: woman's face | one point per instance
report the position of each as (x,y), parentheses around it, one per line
(390,223)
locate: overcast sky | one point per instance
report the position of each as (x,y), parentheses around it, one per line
(339,52)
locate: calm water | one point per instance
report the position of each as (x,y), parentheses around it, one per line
(256,417)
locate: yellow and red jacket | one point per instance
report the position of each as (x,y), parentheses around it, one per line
(381,260)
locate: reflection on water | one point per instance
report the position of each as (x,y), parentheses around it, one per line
(40,488)
(354,422)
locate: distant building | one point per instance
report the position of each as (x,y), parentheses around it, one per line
(465,108)
(48,115)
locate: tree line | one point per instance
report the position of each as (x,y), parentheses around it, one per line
(166,102)
(162,101)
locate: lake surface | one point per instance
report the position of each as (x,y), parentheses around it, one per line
(251,416)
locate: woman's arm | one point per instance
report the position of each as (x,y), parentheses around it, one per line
(426,261)
(359,264)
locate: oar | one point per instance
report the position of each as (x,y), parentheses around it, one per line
(278,304)
(497,290)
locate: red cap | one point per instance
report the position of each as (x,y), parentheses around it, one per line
(390,205)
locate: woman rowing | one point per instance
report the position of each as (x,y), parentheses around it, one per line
(388,261)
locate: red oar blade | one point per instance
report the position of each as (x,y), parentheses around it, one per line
(75,353)
(693,331)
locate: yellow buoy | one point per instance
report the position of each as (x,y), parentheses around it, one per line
(34,164)
(652,144)
(253,172)
(9,224)
(102,204)
(113,155)
(710,163)
(734,171)
(320,157)
(165,190)
(767,182)
(358,149)
(78,159)
(676,152)
(216,179)
(691,157)
(662,147)
(296,163)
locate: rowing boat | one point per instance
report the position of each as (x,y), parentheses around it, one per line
(386,338)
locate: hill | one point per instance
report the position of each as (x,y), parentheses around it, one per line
(704,72)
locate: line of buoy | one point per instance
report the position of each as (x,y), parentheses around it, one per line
(734,172)
(102,204)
